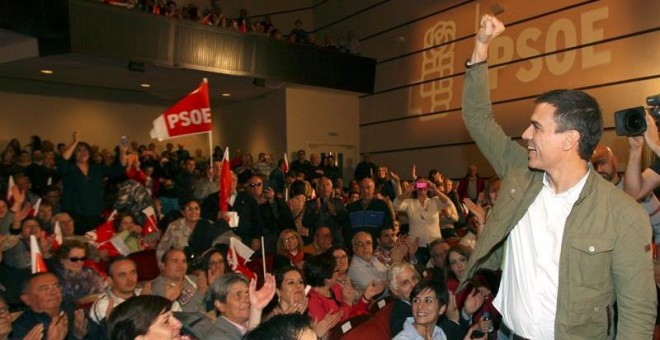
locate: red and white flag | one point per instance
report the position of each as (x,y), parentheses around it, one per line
(57,231)
(151,224)
(102,236)
(225,182)
(37,260)
(10,187)
(191,115)
(238,255)
(285,165)
(35,209)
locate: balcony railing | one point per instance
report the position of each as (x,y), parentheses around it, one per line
(110,31)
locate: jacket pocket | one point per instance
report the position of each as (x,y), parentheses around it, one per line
(590,260)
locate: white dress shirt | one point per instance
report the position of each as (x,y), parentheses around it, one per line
(527,297)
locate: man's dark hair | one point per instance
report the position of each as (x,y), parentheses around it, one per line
(26,284)
(576,110)
(119,258)
(281,327)
(438,287)
(166,254)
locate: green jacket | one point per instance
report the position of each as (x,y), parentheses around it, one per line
(605,254)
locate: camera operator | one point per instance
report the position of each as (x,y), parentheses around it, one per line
(605,163)
(638,183)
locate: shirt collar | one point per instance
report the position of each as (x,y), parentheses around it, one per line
(571,194)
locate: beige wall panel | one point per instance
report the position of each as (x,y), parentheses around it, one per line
(321,117)
(255,126)
(465,17)
(593,22)
(631,58)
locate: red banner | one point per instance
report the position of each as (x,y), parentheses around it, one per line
(191,115)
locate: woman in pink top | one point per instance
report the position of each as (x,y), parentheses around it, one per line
(328,296)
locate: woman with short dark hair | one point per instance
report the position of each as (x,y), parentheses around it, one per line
(146,317)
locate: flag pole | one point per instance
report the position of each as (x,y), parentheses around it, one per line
(210,135)
(263,256)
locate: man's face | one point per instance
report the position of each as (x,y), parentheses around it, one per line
(23,183)
(237,307)
(190,165)
(604,163)
(367,189)
(544,145)
(382,172)
(124,277)
(314,158)
(45,213)
(439,254)
(301,155)
(323,238)
(49,159)
(325,188)
(66,224)
(387,238)
(175,266)
(43,294)
(363,246)
(255,187)
(406,281)
(30,227)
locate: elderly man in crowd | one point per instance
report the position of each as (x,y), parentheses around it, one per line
(327,211)
(365,268)
(321,242)
(43,296)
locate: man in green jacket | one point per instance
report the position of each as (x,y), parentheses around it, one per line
(569,243)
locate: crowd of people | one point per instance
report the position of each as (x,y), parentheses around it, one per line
(350,245)
(213,15)
(452,261)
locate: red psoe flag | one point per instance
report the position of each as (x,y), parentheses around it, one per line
(38,263)
(285,165)
(225,182)
(190,116)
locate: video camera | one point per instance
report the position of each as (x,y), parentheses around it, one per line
(632,122)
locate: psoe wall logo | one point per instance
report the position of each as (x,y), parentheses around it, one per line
(437,62)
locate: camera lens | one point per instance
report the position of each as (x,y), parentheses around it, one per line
(635,122)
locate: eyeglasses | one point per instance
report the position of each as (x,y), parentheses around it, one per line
(76,259)
(361,244)
(253,185)
(192,208)
(341,258)
(289,239)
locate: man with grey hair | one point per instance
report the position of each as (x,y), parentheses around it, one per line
(365,267)
(239,303)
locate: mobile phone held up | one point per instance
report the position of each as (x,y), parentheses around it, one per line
(421,185)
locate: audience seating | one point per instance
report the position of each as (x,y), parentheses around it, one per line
(146,263)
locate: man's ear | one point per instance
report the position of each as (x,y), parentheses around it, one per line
(26,299)
(571,140)
(219,306)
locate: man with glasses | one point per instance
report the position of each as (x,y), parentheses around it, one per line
(365,268)
(250,226)
(43,296)
(321,242)
(274,213)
